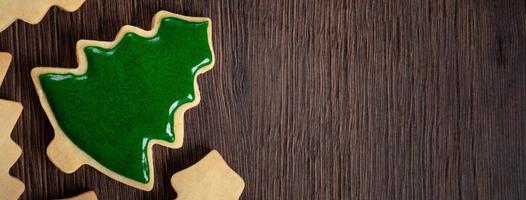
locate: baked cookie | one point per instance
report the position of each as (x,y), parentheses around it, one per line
(10,187)
(31,11)
(210,178)
(126,96)
(84,196)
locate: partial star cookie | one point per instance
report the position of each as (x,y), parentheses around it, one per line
(209,179)
(84,196)
(126,96)
(5,60)
(10,187)
(31,11)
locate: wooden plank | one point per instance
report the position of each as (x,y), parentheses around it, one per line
(311,99)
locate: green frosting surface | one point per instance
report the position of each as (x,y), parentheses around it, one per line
(129,94)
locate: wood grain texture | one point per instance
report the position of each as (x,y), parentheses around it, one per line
(350,99)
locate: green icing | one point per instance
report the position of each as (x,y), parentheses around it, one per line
(129,94)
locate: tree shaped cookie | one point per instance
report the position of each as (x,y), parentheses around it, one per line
(31,11)
(126,96)
(209,179)
(10,187)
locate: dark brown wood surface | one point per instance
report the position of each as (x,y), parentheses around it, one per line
(356,99)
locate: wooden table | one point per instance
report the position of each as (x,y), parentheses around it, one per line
(316,99)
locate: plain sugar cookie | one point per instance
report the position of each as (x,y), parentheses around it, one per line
(209,179)
(31,11)
(10,187)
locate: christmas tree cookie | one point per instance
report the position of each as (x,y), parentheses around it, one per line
(10,187)
(31,11)
(125,96)
(209,179)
